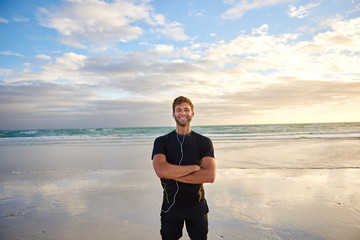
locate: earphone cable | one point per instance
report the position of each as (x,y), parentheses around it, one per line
(182,156)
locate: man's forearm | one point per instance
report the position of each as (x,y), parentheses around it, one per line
(198,177)
(171,171)
(167,170)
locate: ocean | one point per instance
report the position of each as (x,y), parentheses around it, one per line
(266,132)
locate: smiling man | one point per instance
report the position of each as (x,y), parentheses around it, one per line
(184,160)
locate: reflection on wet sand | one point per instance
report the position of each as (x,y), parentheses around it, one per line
(244,203)
(264,190)
(92,205)
(286,204)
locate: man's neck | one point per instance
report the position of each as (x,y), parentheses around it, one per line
(183,130)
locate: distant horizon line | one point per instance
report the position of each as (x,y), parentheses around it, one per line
(220,125)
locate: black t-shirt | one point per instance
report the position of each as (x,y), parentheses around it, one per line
(195,147)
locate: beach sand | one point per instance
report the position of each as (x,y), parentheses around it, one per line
(264,190)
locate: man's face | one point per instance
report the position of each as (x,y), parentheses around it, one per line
(183,114)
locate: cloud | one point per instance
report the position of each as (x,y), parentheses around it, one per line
(65,66)
(196,13)
(261,30)
(71,43)
(301,11)
(6,72)
(39,104)
(94,22)
(330,55)
(242,6)
(20,19)
(261,56)
(10,53)
(296,101)
(173,31)
(43,56)
(231,81)
(3,20)
(292,94)
(164,48)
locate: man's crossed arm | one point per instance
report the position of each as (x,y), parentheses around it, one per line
(193,174)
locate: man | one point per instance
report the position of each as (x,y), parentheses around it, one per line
(184,160)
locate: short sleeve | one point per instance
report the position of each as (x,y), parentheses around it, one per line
(159,146)
(207,148)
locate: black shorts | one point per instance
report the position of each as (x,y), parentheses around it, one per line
(194,216)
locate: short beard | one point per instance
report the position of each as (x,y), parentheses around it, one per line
(183,124)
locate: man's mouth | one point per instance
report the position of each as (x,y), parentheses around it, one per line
(183,120)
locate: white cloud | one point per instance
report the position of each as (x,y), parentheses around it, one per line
(67,66)
(356,8)
(95,22)
(327,56)
(261,30)
(3,20)
(229,1)
(20,19)
(10,53)
(72,60)
(43,56)
(301,11)
(173,31)
(196,13)
(178,61)
(242,6)
(267,58)
(164,48)
(262,71)
(6,72)
(72,43)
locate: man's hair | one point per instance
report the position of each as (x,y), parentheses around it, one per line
(180,100)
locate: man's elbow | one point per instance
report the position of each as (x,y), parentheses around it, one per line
(160,173)
(211,178)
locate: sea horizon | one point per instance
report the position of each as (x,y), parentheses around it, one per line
(199,125)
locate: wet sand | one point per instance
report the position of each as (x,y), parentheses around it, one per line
(263,190)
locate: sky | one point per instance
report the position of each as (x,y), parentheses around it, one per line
(120,63)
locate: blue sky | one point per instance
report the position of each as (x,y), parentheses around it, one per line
(92,63)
